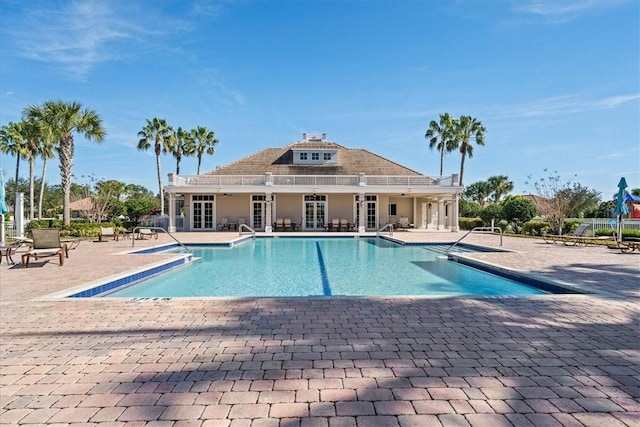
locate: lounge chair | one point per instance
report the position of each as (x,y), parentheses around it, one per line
(46,243)
(578,237)
(147,232)
(627,245)
(106,232)
(8,249)
(404,223)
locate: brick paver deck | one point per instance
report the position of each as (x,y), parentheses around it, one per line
(538,361)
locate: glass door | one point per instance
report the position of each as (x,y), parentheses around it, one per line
(315,208)
(370,211)
(202,212)
(258,212)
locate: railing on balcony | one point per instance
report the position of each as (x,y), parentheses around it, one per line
(313,180)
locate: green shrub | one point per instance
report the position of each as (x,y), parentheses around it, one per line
(535,228)
(611,232)
(75,229)
(469,223)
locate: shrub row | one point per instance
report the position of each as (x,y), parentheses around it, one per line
(75,229)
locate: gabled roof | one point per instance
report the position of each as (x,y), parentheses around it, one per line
(279,161)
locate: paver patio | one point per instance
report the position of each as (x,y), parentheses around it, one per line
(542,361)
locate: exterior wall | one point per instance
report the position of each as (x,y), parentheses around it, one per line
(233,207)
(340,206)
(289,206)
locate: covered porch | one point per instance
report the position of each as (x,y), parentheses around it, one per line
(312,203)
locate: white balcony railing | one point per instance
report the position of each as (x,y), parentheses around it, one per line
(313,180)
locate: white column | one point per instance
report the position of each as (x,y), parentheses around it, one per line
(268,228)
(18,211)
(361,219)
(172,212)
(423,215)
(455,225)
(441,215)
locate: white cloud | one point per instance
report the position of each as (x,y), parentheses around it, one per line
(559,11)
(562,105)
(82,34)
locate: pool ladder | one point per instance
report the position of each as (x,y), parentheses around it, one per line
(133,236)
(249,230)
(490,229)
(388,227)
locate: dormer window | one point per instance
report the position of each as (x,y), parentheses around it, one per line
(327,156)
(315,156)
(303,156)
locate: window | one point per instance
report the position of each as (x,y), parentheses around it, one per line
(315,156)
(327,156)
(393,209)
(303,156)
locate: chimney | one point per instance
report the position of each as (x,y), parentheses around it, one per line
(304,136)
(324,136)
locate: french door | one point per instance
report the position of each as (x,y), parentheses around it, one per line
(258,212)
(315,209)
(202,212)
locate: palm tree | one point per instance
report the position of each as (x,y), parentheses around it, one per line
(478,192)
(156,131)
(205,142)
(468,129)
(32,133)
(61,120)
(440,137)
(499,185)
(47,145)
(179,144)
(12,142)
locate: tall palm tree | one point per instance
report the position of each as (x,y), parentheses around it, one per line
(12,141)
(440,136)
(179,144)
(499,186)
(467,130)
(155,132)
(47,146)
(32,133)
(61,120)
(205,142)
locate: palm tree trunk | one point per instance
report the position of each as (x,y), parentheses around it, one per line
(464,154)
(32,165)
(66,163)
(15,192)
(44,171)
(199,160)
(442,159)
(160,185)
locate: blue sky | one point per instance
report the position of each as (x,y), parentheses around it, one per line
(555,82)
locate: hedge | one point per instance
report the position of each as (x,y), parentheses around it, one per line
(75,229)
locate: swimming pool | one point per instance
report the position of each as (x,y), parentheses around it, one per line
(322,267)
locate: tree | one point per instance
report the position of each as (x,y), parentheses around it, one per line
(499,185)
(469,209)
(156,132)
(205,142)
(518,210)
(478,192)
(63,119)
(491,212)
(557,200)
(179,144)
(12,142)
(440,136)
(581,199)
(135,191)
(467,130)
(137,208)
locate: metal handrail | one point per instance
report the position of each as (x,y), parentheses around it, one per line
(249,230)
(492,229)
(133,236)
(388,226)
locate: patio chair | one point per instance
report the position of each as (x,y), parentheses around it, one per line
(335,224)
(46,243)
(287,224)
(224,223)
(142,232)
(344,224)
(627,245)
(106,232)
(279,224)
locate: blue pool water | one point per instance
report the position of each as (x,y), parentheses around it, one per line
(329,267)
